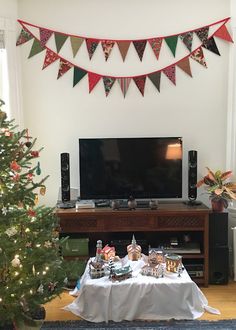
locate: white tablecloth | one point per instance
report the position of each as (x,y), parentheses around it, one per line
(139,297)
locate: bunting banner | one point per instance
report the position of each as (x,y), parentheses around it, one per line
(207,42)
(124,45)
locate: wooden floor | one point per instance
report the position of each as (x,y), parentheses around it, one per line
(222,297)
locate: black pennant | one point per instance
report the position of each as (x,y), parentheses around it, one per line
(210,44)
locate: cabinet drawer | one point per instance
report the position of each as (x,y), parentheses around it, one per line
(180,222)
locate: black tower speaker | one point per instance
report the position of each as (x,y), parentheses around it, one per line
(65,177)
(192,175)
(218,248)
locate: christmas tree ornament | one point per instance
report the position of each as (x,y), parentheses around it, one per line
(16,262)
(38,169)
(30,176)
(11,231)
(15,167)
(42,190)
(27,143)
(40,289)
(36,199)
(34,153)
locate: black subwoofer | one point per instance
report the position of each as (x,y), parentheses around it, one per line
(65,177)
(218,248)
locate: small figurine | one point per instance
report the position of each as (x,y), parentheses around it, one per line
(120,274)
(108,252)
(115,205)
(153,204)
(96,266)
(132,204)
(173,261)
(134,250)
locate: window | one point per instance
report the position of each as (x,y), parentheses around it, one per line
(4,82)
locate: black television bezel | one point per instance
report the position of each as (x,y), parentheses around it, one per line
(114,197)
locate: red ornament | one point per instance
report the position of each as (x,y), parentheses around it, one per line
(16,177)
(34,153)
(30,176)
(31,213)
(14,166)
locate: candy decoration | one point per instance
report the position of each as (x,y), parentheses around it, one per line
(42,190)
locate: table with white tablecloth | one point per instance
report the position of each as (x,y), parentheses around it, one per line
(139,297)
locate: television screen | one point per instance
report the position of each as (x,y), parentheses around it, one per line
(116,168)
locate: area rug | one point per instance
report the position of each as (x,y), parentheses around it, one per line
(146,325)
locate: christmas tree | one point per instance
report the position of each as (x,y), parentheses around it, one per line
(31,269)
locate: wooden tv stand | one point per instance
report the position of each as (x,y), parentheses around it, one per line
(169,220)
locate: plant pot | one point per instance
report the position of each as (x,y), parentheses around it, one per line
(217,206)
(26,323)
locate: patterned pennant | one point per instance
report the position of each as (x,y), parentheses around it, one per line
(93,79)
(36,48)
(202,34)
(124,84)
(223,33)
(123,47)
(155,79)
(108,83)
(23,37)
(91,46)
(187,39)
(170,73)
(60,39)
(172,43)
(156,43)
(64,66)
(50,57)
(185,66)
(210,44)
(76,42)
(140,47)
(140,83)
(107,46)
(198,56)
(44,36)
(78,75)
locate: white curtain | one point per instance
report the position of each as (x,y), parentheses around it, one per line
(14,101)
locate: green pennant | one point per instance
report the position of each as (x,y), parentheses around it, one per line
(76,42)
(172,43)
(155,79)
(78,75)
(36,48)
(60,39)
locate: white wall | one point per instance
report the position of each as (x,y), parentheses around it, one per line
(58,114)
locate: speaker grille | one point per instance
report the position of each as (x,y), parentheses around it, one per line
(65,177)
(192,175)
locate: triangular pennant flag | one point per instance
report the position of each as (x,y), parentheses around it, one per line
(78,75)
(140,83)
(50,57)
(36,48)
(156,43)
(44,36)
(124,84)
(60,39)
(170,73)
(210,44)
(64,66)
(155,79)
(202,33)
(23,37)
(123,47)
(76,42)
(91,46)
(198,56)
(187,39)
(108,83)
(93,79)
(223,33)
(107,46)
(140,47)
(172,43)
(185,66)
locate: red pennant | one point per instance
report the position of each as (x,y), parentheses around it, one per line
(140,83)
(140,47)
(44,36)
(24,37)
(156,43)
(185,66)
(107,46)
(223,33)
(170,73)
(50,57)
(93,79)
(198,56)
(63,67)
(91,46)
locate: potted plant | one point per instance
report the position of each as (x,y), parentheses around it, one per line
(32,272)
(220,190)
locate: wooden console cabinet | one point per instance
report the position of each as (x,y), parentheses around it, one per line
(169,220)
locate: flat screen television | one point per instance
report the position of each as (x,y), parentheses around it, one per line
(116,168)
